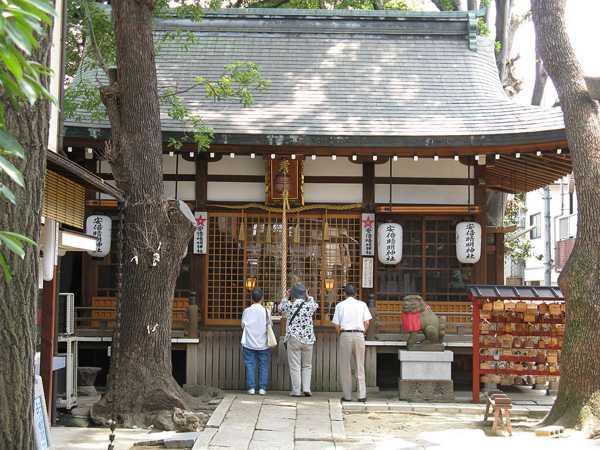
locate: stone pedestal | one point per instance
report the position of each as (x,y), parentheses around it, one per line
(86,377)
(425,375)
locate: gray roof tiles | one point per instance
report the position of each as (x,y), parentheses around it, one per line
(345,79)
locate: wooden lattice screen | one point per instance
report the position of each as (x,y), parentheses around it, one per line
(233,257)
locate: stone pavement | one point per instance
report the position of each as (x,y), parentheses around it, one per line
(278,421)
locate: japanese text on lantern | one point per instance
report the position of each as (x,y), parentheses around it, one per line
(470,241)
(368,238)
(200,233)
(97,228)
(390,243)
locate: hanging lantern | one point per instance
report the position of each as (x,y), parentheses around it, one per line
(468,242)
(50,249)
(389,243)
(99,226)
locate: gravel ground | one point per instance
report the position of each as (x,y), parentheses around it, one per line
(391,430)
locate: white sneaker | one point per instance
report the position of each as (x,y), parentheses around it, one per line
(251,391)
(262,392)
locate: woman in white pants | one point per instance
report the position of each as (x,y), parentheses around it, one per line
(299,307)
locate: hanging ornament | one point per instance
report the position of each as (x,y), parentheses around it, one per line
(468,242)
(99,226)
(389,243)
(297,230)
(268,230)
(242,233)
(326,228)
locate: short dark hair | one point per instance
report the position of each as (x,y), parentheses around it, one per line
(257,295)
(350,290)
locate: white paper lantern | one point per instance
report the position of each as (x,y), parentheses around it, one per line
(468,242)
(100,227)
(389,243)
(50,248)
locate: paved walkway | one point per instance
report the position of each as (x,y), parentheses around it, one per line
(278,421)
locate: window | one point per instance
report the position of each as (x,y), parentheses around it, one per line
(429,266)
(313,256)
(535,220)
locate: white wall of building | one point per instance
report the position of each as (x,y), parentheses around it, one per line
(563,225)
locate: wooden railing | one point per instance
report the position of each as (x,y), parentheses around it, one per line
(98,319)
(459,321)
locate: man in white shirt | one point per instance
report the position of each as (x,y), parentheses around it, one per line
(254,343)
(351,321)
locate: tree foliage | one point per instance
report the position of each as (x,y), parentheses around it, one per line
(20,28)
(521,247)
(91,48)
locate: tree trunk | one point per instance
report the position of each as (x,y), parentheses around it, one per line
(578,401)
(155,230)
(19,299)
(503,10)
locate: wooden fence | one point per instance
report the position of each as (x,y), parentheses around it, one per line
(220,363)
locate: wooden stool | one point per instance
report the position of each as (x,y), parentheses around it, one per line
(501,405)
(488,396)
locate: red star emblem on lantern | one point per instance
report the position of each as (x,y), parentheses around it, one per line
(200,221)
(368,222)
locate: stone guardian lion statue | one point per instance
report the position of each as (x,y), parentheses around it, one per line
(418,316)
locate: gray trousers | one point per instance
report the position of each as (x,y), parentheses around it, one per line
(352,345)
(300,362)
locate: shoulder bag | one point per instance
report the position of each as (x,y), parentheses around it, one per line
(282,353)
(271,339)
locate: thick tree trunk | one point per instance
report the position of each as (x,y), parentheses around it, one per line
(155,231)
(578,401)
(18,311)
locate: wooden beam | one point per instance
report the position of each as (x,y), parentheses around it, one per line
(425,209)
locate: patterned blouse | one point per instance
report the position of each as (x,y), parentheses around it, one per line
(302,326)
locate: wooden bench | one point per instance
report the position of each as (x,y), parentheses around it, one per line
(501,404)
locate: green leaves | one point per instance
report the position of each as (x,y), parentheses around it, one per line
(237,81)
(14,243)
(21,25)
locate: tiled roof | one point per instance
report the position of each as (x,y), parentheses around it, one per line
(368,82)
(348,76)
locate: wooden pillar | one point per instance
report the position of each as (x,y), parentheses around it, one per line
(480,199)
(368,200)
(47,338)
(198,263)
(499,243)
(201,187)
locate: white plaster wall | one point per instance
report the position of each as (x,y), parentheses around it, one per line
(185,190)
(423,194)
(332,193)
(423,168)
(322,166)
(243,192)
(240,165)
(185,167)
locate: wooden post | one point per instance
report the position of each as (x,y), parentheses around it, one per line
(47,339)
(193,316)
